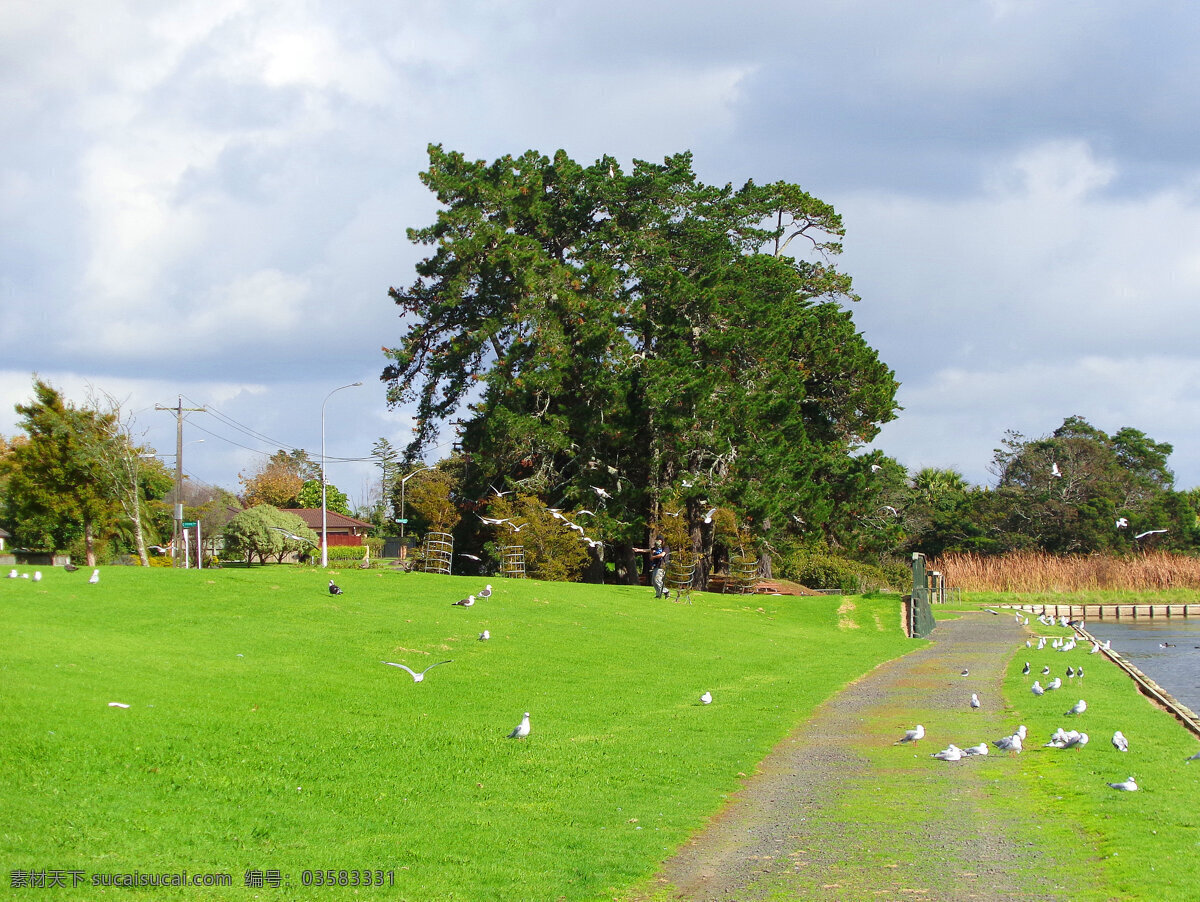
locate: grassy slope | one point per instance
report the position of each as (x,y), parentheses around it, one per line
(265,733)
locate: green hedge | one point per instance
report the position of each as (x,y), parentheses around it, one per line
(819,569)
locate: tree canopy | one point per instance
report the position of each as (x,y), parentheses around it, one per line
(613,339)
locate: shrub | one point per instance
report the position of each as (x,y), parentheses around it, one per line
(819,569)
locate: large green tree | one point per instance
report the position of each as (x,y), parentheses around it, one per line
(615,339)
(58,492)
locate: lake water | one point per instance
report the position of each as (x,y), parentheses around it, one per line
(1176,669)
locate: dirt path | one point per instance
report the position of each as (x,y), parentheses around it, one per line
(813,824)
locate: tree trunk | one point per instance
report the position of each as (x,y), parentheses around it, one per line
(89,542)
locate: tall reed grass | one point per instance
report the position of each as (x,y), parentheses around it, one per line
(1040,572)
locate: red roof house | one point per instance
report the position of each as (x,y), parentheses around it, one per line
(340,529)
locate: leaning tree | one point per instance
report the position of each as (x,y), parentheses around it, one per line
(609,340)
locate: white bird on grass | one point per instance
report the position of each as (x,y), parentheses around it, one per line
(465,602)
(522,729)
(1130,785)
(1195,757)
(95,577)
(417,677)
(37,576)
(916,733)
(974,700)
(706,698)
(950,753)
(1120,743)
(1011,743)
(485,592)
(1045,670)
(1056,683)
(1078,708)
(1025,669)
(1036,688)
(981,749)
(484,636)
(1095,648)
(13,574)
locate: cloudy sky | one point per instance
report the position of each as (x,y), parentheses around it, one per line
(207,199)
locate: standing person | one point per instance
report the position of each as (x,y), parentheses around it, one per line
(659,556)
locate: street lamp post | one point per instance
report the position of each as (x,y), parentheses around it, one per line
(402,481)
(324,525)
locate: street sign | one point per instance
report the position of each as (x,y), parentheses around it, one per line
(188,524)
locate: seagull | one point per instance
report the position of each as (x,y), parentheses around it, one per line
(334,588)
(37,576)
(484,636)
(706,698)
(974,700)
(1011,743)
(1056,683)
(1195,757)
(1054,470)
(1036,688)
(1148,532)
(1025,669)
(492,521)
(1128,786)
(499,494)
(469,557)
(1122,522)
(601,493)
(1120,743)
(917,732)
(24,576)
(522,729)
(585,511)
(485,592)
(950,753)
(1078,708)
(965,672)
(95,577)
(1045,670)
(875,468)
(117,705)
(70,568)
(13,574)
(417,677)
(1095,648)
(980,749)
(1160,645)
(708,517)
(1070,673)
(1079,672)
(466,602)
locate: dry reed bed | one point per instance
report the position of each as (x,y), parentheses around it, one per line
(1040,572)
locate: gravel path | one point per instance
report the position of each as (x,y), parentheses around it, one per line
(810,824)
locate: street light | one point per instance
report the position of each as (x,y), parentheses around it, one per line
(324,527)
(402,481)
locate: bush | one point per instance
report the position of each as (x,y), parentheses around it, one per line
(348,552)
(820,569)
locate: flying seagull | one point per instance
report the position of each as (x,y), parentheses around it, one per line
(917,732)
(708,517)
(1148,532)
(334,588)
(1122,522)
(417,677)
(1120,743)
(522,729)
(601,493)
(1130,785)
(706,698)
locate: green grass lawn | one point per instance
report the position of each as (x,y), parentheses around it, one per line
(264,734)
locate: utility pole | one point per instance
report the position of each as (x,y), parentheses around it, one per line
(178,528)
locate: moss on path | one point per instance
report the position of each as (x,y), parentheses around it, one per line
(838,811)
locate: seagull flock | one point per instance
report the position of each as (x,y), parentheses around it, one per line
(1061,738)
